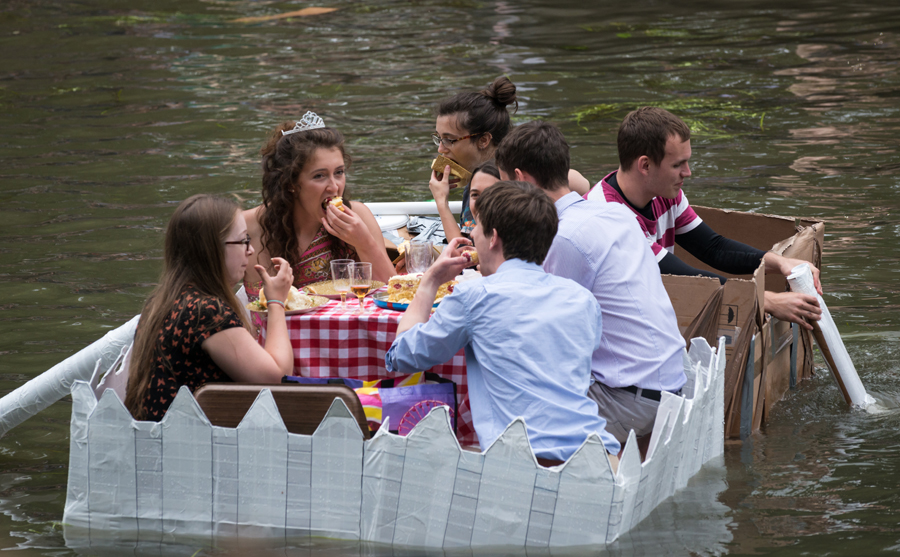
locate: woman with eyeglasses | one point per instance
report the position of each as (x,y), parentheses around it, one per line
(469,127)
(192,329)
(304,169)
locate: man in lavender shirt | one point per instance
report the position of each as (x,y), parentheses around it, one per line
(601,247)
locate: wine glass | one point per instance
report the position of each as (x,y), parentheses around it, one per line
(360,281)
(340,278)
(419,257)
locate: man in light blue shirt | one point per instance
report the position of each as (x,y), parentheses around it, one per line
(528,335)
(601,247)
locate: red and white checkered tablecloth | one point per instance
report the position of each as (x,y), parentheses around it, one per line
(331,343)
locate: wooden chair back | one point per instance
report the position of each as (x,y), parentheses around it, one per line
(302,407)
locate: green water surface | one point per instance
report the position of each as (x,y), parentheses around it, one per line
(113,112)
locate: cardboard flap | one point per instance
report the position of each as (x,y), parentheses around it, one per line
(759,276)
(689,294)
(754,229)
(803,244)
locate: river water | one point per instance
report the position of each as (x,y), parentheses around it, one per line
(111,115)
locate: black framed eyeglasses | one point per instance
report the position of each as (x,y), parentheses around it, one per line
(245,241)
(448,143)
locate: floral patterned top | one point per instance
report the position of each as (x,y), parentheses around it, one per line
(180,359)
(315,262)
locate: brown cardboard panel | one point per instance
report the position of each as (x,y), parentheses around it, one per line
(759,277)
(778,368)
(688,295)
(755,229)
(805,356)
(810,222)
(802,244)
(759,398)
(776,283)
(738,301)
(743,305)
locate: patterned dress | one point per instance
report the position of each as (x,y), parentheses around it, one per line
(314,264)
(180,359)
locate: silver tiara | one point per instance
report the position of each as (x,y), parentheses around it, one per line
(310,121)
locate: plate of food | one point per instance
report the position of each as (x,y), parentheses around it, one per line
(297,303)
(401,290)
(381,300)
(326,288)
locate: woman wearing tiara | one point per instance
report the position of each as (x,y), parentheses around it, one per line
(469,127)
(304,169)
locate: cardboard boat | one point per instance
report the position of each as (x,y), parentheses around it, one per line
(183,475)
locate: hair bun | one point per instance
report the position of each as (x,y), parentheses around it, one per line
(502,91)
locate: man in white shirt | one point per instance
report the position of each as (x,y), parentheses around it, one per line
(601,247)
(528,335)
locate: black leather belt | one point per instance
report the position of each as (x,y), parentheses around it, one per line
(647,393)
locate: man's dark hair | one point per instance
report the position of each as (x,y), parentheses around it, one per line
(539,149)
(645,131)
(522,215)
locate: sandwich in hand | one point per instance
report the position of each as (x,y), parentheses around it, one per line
(442,162)
(296,300)
(336,202)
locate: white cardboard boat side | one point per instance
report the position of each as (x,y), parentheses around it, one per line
(184,476)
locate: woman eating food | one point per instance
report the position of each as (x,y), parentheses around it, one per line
(305,216)
(469,127)
(192,330)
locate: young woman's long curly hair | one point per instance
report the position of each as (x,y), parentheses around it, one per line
(194,255)
(283,158)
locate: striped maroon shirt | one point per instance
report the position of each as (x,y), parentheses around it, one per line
(670,216)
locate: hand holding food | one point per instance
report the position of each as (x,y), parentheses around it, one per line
(440,164)
(450,263)
(279,286)
(440,187)
(337,203)
(344,223)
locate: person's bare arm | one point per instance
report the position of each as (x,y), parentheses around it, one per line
(784,265)
(237,353)
(440,189)
(578,183)
(794,307)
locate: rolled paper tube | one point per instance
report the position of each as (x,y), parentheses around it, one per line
(830,343)
(56,382)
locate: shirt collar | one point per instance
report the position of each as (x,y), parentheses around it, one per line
(566,201)
(518,265)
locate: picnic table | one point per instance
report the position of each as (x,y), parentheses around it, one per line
(330,343)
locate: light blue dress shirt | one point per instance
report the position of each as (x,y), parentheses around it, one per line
(601,247)
(528,337)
